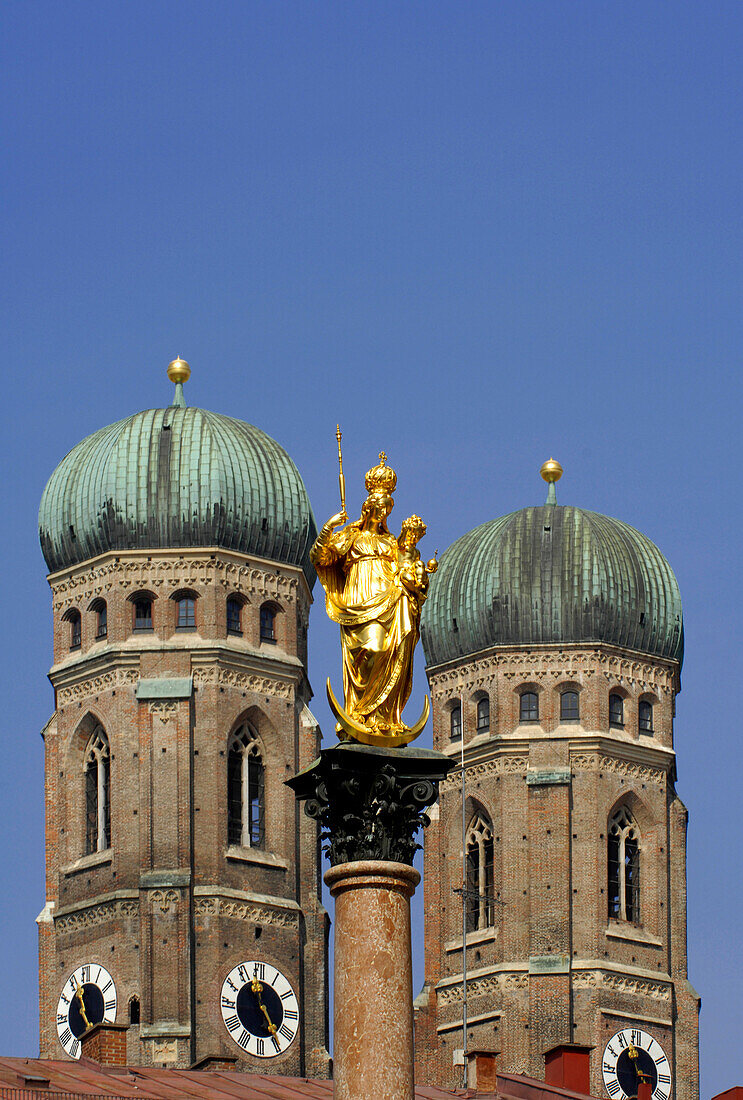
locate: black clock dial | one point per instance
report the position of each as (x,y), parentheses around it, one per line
(250,1013)
(94,1010)
(627,1071)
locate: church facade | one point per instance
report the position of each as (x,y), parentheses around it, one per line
(555,887)
(183,884)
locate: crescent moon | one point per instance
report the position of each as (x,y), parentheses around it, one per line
(359,732)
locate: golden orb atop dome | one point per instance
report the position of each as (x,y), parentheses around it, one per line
(179,371)
(551,470)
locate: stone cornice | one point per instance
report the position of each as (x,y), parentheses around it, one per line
(559,661)
(177,568)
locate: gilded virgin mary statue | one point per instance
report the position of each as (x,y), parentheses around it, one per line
(375,586)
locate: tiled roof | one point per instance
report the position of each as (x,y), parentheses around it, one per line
(31,1078)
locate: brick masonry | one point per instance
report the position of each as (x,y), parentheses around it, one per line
(554,968)
(170,907)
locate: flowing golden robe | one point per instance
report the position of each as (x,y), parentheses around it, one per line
(379,619)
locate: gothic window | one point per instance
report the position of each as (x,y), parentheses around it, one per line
(455,722)
(101,618)
(569,706)
(142,613)
(76,628)
(624,867)
(645,716)
(529,706)
(234,616)
(245,789)
(616,711)
(97,792)
(268,624)
(479,900)
(483,715)
(186,605)
(134,1010)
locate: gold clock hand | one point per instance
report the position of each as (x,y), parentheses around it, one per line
(257,988)
(79,997)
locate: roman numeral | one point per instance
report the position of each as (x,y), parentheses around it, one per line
(244,1039)
(73,983)
(664,1079)
(276,1042)
(661,1095)
(259,971)
(84,974)
(243,974)
(287,994)
(108,985)
(609,1067)
(65,1037)
(227,1003)
(110,1006)
(98,975)
(288,1035)
(74,1048)
(636,1038)
(61,1018)
(613,1088)
(290,1014)
(660,1061)
(232,985)
(611,1050)
(621,1039)
(260,1047)
(232,1023)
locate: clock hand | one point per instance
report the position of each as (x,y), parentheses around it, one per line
(79,997)
(257,988)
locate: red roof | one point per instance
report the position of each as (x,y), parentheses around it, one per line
(26,1078)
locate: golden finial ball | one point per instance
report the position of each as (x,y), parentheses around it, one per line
(551,470)
(179,371)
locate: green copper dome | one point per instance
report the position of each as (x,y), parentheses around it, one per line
(176,477)
(552,574)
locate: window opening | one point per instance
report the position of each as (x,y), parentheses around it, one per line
(624,867)
(569,706)
(616,710)
(186,613)
(455,723)
(245,790)
(483,715)
(97,793)
(101,620)
(134,1010)
(268,616)
(645,716)
(529,706)
(76,630)
(143,613)
(480,857)
(234,616)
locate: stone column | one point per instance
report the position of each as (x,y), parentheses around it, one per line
(373,1013)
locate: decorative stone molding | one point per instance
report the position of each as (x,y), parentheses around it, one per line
(166,901)
(621,983)
(481,987)
(602,762)
(500,765)
(97,685)
(95,914)
(217,906)
(169,573)
(164,709)
(246,681)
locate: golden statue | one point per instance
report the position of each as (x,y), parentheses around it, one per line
(375,586)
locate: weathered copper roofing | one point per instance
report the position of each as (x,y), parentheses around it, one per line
(552,574)
(176,477)
(21,1079)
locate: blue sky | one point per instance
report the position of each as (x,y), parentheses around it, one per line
(476,234)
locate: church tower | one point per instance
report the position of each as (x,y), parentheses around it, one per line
(555,898)
(182,884)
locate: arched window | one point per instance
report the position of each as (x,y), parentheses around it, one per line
(76,628)
(234,615)
(186,605)
(529,706)
(143,613)
(645,716)
(97,792)
(616,711)
(479,901)
(268,623)
(483,715)
(455,722)
(624,867)
(245,789)
(101,618)
(569,706)
(134,1010)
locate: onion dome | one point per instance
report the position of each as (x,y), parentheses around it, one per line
(177,477)
(552,574)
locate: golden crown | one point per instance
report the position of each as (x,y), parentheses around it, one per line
(413,523)
(382,478)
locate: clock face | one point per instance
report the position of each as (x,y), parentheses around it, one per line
(630,1053)
(259,1009)
(88,996)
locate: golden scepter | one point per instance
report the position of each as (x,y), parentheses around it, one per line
(341,477)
